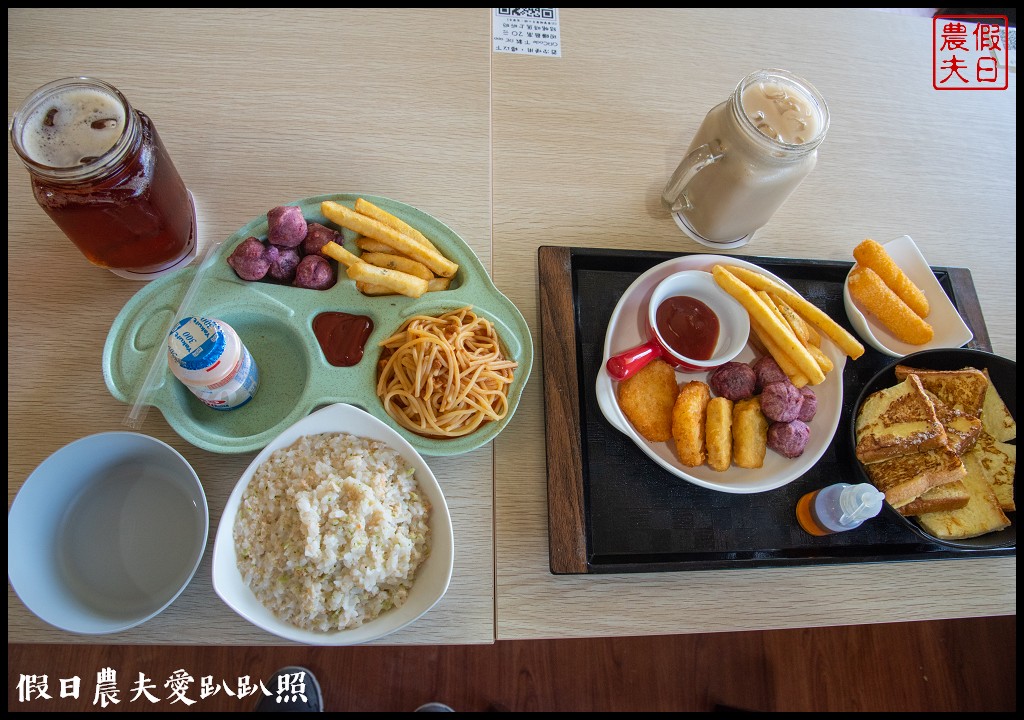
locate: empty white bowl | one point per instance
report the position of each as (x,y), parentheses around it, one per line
(106,533)
(950,329)
(431,579)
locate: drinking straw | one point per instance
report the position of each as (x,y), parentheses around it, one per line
(137,414)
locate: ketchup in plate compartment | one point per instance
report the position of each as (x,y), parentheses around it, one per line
(688,326)
(342,336)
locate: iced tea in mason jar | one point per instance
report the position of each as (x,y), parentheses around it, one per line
(102,174)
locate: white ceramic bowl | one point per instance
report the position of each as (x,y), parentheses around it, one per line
(106,533)
(950,329)
(432,577)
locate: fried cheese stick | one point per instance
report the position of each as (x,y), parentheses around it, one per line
(871,293)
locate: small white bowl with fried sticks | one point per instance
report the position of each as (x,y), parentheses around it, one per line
(895,302)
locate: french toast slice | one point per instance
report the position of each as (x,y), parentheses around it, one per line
(948,496)
(962,430)
(997,463)
(995,416)
(905,478)
(980,516)
(895,421)
(962,389)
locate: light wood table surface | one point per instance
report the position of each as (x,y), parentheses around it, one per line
(257,108)
(582,147)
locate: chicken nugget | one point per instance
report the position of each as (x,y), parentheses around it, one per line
(647,399)
(719,434)
(749,433)
(689,420)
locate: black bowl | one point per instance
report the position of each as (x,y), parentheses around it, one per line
(1003,375)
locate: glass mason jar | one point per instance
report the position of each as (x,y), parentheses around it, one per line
(747,157)
(100,171)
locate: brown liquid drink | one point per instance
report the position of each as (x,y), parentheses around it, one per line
(749,154)
(101,172)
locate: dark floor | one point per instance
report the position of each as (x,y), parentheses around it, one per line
(964,665)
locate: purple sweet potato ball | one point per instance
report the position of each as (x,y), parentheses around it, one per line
(809,406)
(249,260)
(788,438)
(283,263)
(767,371)
(286,227)
(780,401)
(316,237)
(733,380)
(314,273)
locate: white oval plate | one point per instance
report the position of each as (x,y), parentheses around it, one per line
(432,577)
(950,329)
(628,327)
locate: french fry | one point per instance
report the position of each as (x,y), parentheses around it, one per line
(807,310)
(438,284)
(778,331)
(803,329)
(400,282)
(367,208)
(871,254)
(368,227)
(369,245)
(435,285)
(823,360)
(371,289)
(336,251)
(398,262)
(770,304)
(785,362)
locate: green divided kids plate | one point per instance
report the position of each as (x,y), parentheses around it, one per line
(276,324)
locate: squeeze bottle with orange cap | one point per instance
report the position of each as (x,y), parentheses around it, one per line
(838,508)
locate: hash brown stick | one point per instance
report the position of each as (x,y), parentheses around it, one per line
(689,422)
(871,293)
(718,436)
(749,433)
(872,255)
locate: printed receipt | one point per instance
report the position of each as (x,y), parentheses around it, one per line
(526,31)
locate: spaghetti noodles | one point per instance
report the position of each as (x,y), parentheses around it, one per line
(445,376)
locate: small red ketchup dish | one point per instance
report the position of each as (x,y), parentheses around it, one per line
(692,324)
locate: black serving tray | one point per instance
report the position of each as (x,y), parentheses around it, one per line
(611,509)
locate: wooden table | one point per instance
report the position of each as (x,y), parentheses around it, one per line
(259,108)
(582,147)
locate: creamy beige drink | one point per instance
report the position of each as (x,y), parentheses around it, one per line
(747,157)
(780,112)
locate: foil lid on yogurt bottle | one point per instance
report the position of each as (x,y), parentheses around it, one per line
(196,343)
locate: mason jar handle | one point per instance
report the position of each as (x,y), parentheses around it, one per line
(674,194)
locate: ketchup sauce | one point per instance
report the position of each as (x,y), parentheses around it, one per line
(688,327)
(342,336)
